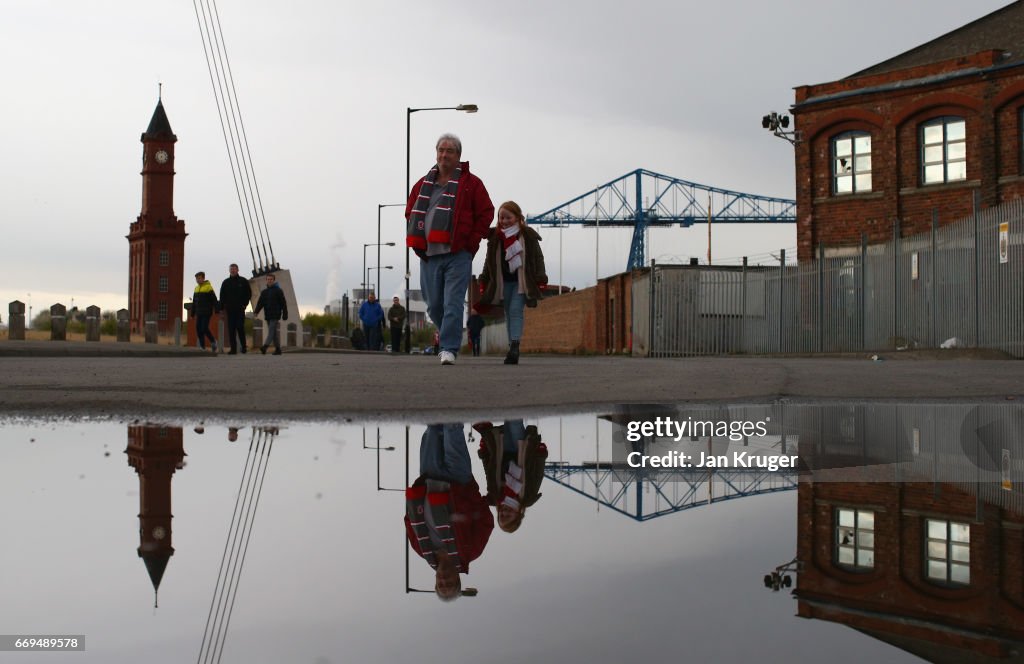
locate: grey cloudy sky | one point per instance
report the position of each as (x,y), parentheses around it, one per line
(572,94)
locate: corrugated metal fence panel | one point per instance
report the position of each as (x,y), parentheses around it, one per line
(641,294)
(964,281)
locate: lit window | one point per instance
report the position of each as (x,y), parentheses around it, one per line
(855,538)
(165,258)
(851,163)
(948,552)
(163,285)
(162,311)
(944,150)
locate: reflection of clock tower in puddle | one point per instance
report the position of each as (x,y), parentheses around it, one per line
(155,452)
(156,240)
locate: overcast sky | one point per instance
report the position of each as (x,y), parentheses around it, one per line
(571,94)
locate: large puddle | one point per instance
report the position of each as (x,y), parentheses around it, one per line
(899,533)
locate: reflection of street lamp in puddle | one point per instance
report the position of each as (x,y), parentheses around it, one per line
(389,448)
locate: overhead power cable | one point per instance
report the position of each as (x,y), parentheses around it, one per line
(236,142)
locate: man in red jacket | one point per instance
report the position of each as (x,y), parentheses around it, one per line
(447,214)
(447,520)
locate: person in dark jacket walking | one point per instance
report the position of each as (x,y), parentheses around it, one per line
(204,303)
(372,316)
(475,325)
(235,295)
(396,317)
(275,309)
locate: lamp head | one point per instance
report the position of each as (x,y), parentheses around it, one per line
(468,108)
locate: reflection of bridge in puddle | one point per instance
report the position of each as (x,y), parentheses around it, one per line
(977,447)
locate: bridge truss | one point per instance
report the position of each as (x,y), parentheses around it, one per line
(645,494)
(644,199)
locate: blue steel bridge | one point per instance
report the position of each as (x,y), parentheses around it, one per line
(643,494)
(643,199)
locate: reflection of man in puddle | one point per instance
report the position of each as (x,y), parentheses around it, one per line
(447,521)
(513,457)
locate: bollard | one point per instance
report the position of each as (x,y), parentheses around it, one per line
(321,333)
(257,333)
(124,326)
(307,336)
(291,340)
(16,321)
(58,322)
(92,323)
(177,331)
(151,331)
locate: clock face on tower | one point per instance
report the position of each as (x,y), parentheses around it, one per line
(161,156)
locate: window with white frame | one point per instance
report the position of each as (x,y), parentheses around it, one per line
(944,150)
(162,311)
(948,552)
(165,258)
(851,163)
(855,538)
(163,284)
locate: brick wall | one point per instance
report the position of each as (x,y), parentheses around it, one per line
(990,103)
(596,320)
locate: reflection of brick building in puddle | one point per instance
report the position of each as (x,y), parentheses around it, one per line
(898,539)
(155,452)
(927,568)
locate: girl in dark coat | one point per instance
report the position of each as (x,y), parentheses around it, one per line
(514,272)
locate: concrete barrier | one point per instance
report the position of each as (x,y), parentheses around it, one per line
(177,331)
(16,321)
(92,323)
(307,335)
(124,326)
(292,336)
(257,332)
(58,322)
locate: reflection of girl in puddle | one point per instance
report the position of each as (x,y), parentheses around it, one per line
(513,457)
(447,520)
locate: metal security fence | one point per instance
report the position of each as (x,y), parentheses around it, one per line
(959,285)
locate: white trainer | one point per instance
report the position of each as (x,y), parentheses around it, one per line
(447,357)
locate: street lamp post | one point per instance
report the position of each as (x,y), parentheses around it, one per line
(466,108)
(366,272)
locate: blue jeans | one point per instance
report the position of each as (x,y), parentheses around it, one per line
(203,331)
(444,280)
(372,333)
(515,431)
(273,334)
(444,454)
(514,302)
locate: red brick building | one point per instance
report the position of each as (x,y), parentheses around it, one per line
(156,240)
(936,128)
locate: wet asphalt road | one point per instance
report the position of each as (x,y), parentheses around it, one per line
(118,382)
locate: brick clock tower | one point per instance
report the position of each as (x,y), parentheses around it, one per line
(156,240)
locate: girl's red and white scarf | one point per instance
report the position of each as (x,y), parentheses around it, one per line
(513,247)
